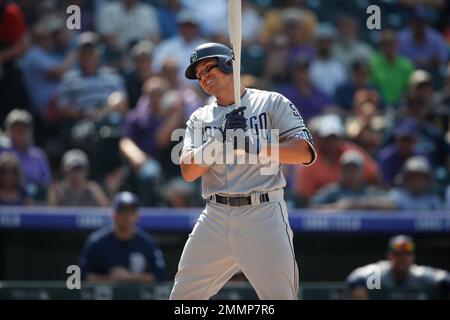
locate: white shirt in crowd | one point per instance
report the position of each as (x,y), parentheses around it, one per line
(140,22)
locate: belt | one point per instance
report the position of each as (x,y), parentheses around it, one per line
(238,201)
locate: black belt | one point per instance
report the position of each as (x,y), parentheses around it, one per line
(238,201)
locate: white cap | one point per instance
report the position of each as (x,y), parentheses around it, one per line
(330,125)
(75,158)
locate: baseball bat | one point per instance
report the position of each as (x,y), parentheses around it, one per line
(235,30)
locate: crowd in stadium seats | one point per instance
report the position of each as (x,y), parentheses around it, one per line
(90,112)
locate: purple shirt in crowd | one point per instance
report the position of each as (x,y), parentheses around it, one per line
(34,164)
(433,46)
(141,127)
(391,162)
(309,106)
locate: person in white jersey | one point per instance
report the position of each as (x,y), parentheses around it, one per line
(244,225)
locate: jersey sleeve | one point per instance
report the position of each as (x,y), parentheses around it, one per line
(193,135)
(356,279)
(287,119)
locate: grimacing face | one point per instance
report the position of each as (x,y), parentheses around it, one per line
(212,80)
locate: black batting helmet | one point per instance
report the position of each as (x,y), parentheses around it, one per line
(210,50)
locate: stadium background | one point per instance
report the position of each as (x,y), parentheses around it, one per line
(39,241)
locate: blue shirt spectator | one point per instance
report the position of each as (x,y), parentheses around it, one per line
(422,44)
(414,191)
(43,69)
(122,252)
(87,89)
(41,88)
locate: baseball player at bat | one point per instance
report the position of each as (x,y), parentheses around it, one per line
(244,225)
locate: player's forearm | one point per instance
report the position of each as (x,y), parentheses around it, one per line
(132,153)
(189,170)
(295,151)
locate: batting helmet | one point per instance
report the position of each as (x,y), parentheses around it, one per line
(210,50)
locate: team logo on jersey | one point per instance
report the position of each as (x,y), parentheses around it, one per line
(259,125)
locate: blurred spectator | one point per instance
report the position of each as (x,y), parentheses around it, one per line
(390,71)
(43,70)
(192,96)
(123,23)
(368,134)
(13,44)
(331,144)
(447,198)
(122,252)
(359,79)
(351,191)
(93,101)
(142,54)
(366,104)
(181,46)
(421,43)
(33,161)
(392,157)
(441,102)
(289,15)
(294,22)
(348,48)
(83,93)
(398,277)
(11,191)
(327,73)
(310,100)
(253,21)
(414,191)
(431,138)
(179,194)
(167,12)
(275,69)
(214,19)
(146,142)
(75,190)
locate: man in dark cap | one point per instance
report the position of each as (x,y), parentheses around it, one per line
(122,252)
(392,157)
(398,277)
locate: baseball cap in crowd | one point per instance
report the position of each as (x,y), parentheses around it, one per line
(143,47)
(87,39)
(330,125)
(326,31)
(401,243)
(351,157)
(74,158)
(18,116)
(419,77)
(300,62)
(187,16)
(407,128)
(125,199)
(417,164)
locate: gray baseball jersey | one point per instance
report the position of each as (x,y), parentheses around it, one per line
(255,238)
(265,110)
(422,282)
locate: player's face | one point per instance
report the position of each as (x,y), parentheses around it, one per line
(126,218)
(401,261)
(211,79)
